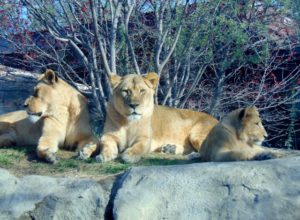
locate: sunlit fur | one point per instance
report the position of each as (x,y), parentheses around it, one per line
(237,137)
(135,126)
(56,115)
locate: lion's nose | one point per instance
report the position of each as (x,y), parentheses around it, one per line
(25,104)
(133,105)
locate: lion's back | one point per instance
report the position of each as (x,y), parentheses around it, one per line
(174,126)
(13,116)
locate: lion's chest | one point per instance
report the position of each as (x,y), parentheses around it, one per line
(131,134)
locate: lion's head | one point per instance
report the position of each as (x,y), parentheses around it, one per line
(133,95)
(249,126)
(49,95)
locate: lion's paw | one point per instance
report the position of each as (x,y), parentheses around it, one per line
(129,157)
(193,156)
(264,156)
(102,158)
(169,149)
(51,158)
(86,151)
(47,154)
(82,155)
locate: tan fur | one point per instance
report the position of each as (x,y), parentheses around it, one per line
(152,127)
(63,119)
(237,137)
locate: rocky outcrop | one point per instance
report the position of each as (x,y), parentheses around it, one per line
(41,197)
(234,190)
(15,86)
(237,190)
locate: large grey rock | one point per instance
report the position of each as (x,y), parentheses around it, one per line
(15,86)
(237,190)
(40,197)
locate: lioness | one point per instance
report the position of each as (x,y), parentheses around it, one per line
(56,115)
(134,125)
(237,136)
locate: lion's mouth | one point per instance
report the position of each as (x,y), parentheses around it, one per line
(33,117)
(39,114)
(259,142)
(134,116)
(133,113)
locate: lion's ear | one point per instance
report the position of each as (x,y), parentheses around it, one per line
(49,76)
(242,114)
(253,108)
(114,80)
(153,78)
(248,112)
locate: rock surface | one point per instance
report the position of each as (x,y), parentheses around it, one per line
(41,197)
(15,86)
(237,190)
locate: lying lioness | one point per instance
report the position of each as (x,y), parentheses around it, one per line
(238,136)
(56,115)
(135,126)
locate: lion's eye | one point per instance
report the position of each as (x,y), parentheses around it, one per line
(142,91)
(124,92)
(257,123)
(35,93)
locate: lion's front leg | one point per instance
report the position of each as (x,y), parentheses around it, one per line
(253,153)
(49,142)
(47,147)
(233,155)
(88,147)
(135,152)
(109,148)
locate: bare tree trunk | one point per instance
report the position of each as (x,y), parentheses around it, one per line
(98,37)
(115,15)
(128,12)
(215,101)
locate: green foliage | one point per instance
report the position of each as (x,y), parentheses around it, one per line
(5,160)
(62,165)
(112,168)
(24,161)
(9,156)
(229,38)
